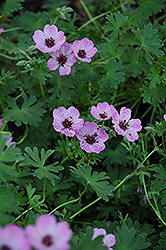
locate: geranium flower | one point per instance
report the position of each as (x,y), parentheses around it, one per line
(103,111)
(64,58)
(92,137)
(12,238)
(1,30)
(164,117)
(49,40)
(1,123)
(67,121)
(84,49)
(48,234)
(9,142)
(126,127)
(108,240)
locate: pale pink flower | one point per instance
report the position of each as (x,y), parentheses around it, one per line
(84,49)
(164,116)
(1,30)
(92,137)
(12,237)
(108,240)
(126,127)
(1,123)
(103,111)
(67,121)
(48,234)
(9,142)
(64,58)
(50,40)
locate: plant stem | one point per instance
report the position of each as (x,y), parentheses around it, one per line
(42,90)
(68,202)
(25,135)
(9,57)
(155,210)
(90,16)
(12,29)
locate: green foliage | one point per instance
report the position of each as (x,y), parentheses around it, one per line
(13,5)
(149,41)
(116,22)
(32,158)
(29,113)
(127,240)
(153,96)
(97,181)
(8,157)
(114,75)
(154,77)
(160,182)
(148,7)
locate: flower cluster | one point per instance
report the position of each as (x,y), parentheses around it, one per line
(63,54)
(108,240)
(91,136)
(45,234)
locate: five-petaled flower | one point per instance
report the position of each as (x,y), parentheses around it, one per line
(103,111)
(12,237)
(92,137)
(126,127)
(48,234)
(67,121)
(49,40)
(84,49)
(108,240)
(64,58)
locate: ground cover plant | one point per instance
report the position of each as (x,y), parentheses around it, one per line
(82,125)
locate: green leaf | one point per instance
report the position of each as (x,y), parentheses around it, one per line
(153,96)
(97,181)
(33,158)
(114,75)
(8,157)
(149,41)
(17,48)
(126,239)
(115,22)
(131,63)
(13,5)
(27,114)
(110,49)
(154,76)
(148,7)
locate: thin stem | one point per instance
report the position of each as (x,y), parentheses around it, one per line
(12,29)
(26,211)
(9,57)
(146,193)
(139,53)
(71,217)
(152,115)
(68,202)
(42,90)
(44,190)
(93,19)
(146,112)
(90,16)
(25,135)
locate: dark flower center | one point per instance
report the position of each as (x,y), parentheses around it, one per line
(67,124)
(47,241)
(4,247)
(62,59)
(123,125)
(103,115)
(49,42)
(82,53)
(91,138)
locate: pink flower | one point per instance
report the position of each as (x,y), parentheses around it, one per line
(1,30)
(92,137)
(64,58)
(48,234)
(50,40)
(67,121)
(108,240)
(84,49)
(164,116)
(1,123)
(9,142)
(126,127)
(103,111)
(12,238)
